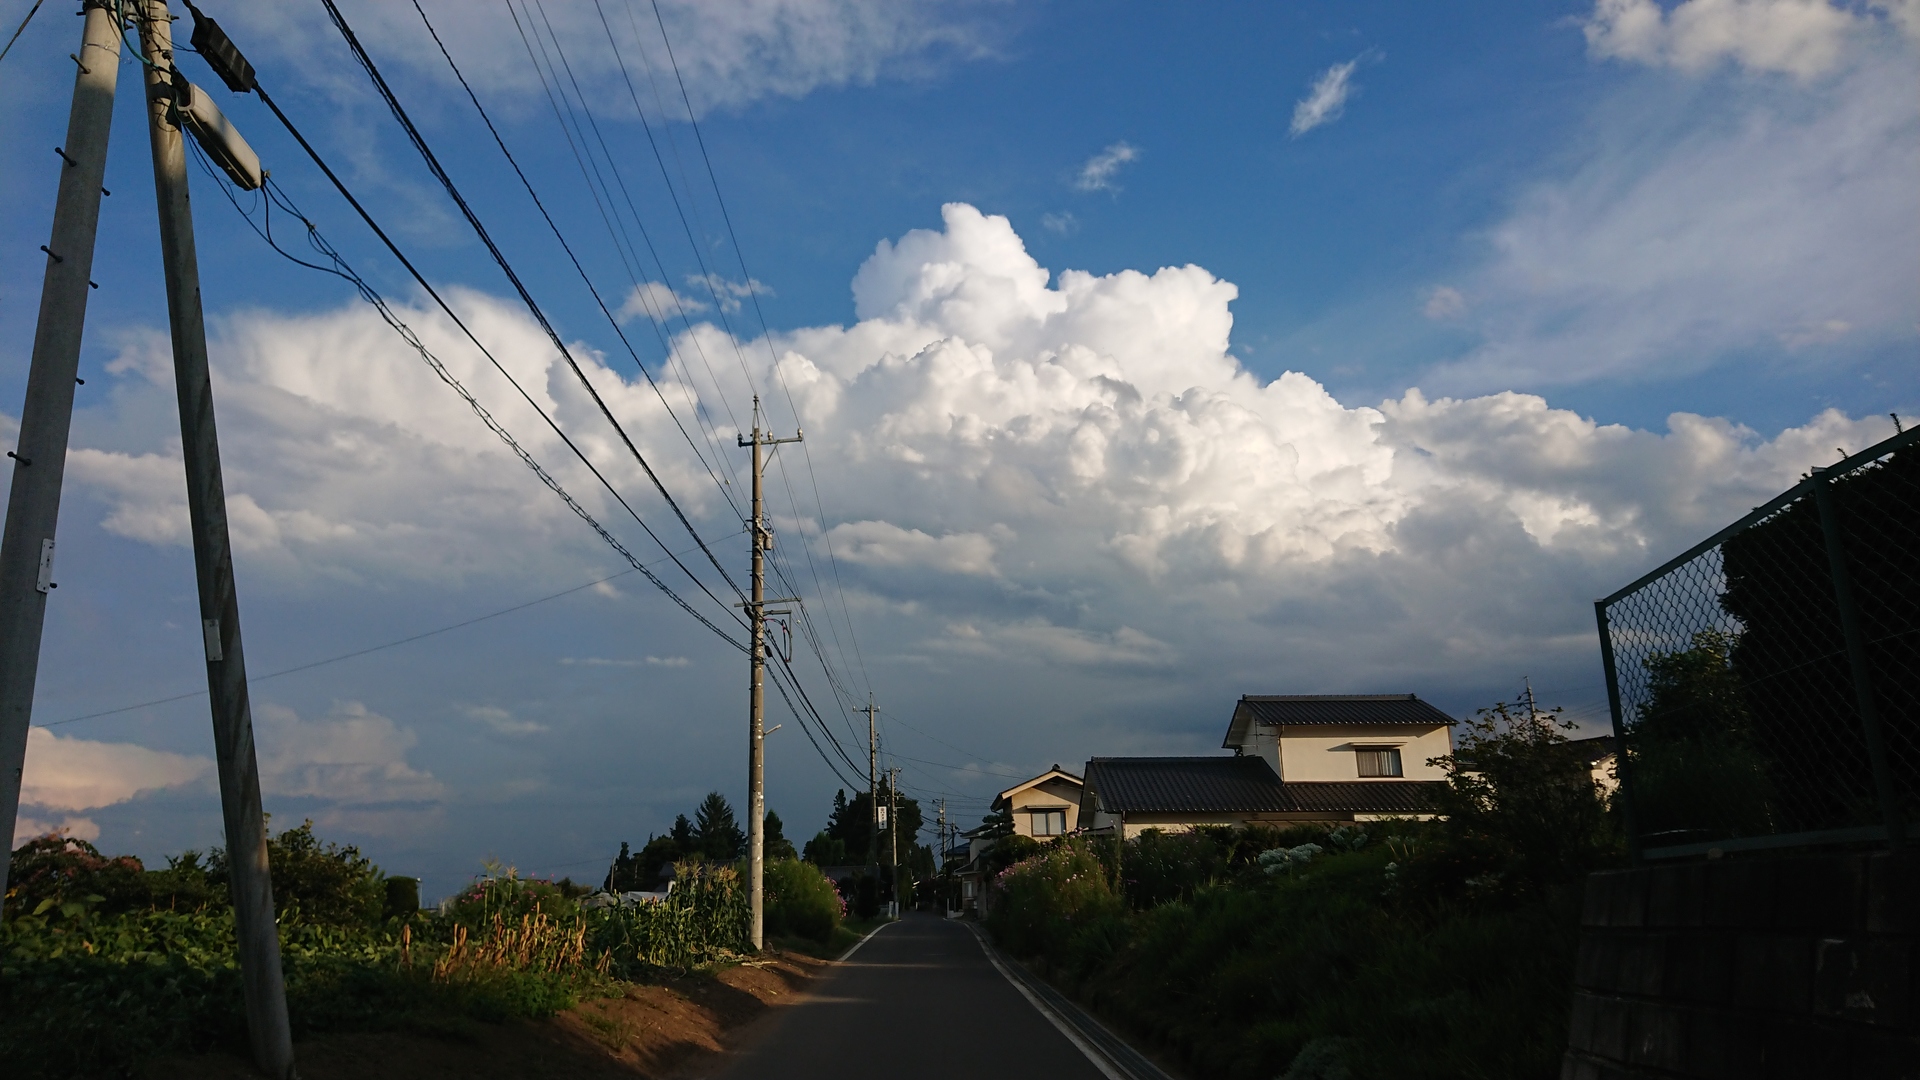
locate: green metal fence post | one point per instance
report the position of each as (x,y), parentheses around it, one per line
(1623,795)
(1857,658)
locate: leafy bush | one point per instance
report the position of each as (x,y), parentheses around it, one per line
(1325,968)
(800,901)
(1041,900)
(63,870)
(325,883)
(1161,866)
(1521,811)
(1696,769)
(91,985)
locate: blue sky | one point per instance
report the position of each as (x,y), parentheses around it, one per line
(1403,403)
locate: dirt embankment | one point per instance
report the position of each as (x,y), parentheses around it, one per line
(666,1030)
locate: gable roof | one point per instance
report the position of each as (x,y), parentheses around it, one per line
(1055,773)
(1295,710)
(1241,785)
(1225,785)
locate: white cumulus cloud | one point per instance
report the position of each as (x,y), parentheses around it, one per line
(1066,475)
(351,757)
(1802,38)
(70,773)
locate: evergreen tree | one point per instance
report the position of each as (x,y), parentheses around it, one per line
(716,832)
(682,833)
(852,822)
(776,844)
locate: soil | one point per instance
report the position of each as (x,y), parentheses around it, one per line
(667,1031)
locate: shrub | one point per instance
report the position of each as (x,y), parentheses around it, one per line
(1041,901)
(66,870)
(800,901)
(1160,866)
(1520,811)
(326,883)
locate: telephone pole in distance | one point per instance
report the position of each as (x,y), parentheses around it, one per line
(873,792)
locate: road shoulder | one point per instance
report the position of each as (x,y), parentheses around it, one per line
(1113,1056)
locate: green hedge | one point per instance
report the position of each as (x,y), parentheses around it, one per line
(801,901)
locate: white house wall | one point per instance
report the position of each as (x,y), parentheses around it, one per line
(1055,794)
(1328,753)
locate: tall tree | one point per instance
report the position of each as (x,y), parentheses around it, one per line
(852,822)
(716,832)
(777,844)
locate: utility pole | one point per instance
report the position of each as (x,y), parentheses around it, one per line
(40,456)
(893,831)
(1533,710)
(873,791)
(250,885)
(762,541)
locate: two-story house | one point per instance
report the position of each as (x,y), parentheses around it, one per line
(1043,808)
(1296,758)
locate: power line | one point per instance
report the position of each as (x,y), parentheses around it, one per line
(341,268)
(410,639)
(500,259)
(766,337)
(21,28)
(611,320)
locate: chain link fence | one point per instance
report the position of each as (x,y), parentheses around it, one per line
(1766,684)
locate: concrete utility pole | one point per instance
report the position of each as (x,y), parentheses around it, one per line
(873,791)
(40,456)
(762,540)
(251,887)
(893,832)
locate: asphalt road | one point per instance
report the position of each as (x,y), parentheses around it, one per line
(919,999)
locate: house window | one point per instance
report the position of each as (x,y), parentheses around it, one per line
(1049,822)
(1378,760)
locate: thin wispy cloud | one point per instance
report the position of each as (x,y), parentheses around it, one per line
(1098,173)
(1444,302)
(1327,100)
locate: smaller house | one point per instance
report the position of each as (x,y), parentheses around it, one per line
(1045,807)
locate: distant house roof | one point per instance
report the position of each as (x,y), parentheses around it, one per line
(1055,773)
(1592,751)
(1297,710)
(1240,785)
(1595,748)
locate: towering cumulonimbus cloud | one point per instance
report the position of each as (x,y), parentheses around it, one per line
(1068,476)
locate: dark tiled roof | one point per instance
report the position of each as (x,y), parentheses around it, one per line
(1366,797)
(1219,785)
(1340,709)
(1241,785)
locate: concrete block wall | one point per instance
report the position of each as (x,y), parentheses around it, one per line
(1802,966)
